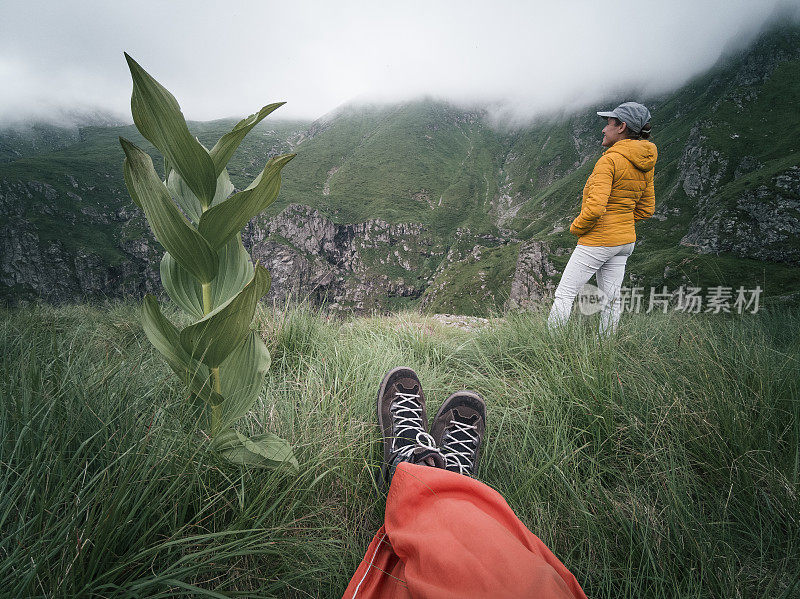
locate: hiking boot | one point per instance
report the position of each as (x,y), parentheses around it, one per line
(458,430)
(404,424)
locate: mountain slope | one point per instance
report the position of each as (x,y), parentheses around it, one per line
(452,198)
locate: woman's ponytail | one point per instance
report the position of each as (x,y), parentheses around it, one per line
(645,132)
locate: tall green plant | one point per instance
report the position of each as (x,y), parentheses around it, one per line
(206,270)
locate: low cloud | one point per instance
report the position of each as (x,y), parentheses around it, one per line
(229,59)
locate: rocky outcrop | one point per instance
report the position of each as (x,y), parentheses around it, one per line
(356,267)
(757,64)
(533,274)
(507,202)
(584,140)
(37,264)
(763,224)
(701,168)
(731,214)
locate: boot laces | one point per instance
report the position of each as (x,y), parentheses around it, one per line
(460,450)
(423,440)
(407,413)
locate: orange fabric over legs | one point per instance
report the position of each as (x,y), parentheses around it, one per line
(447,536)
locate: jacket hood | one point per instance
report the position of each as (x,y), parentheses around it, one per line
(640,152)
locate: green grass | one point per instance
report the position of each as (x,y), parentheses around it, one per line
(663,463)
(475,287)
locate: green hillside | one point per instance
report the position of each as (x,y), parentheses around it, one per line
(422,162)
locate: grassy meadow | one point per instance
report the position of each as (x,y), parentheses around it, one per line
(662,463)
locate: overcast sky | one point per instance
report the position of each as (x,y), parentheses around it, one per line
(230,58)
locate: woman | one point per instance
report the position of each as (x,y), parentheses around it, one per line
(618,193)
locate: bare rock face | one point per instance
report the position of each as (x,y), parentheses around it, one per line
(20,249)
(763,224)
(701,168)
(354,267)
(294,273)
(532,281)
(507,202)
(35,266)
(584,139)
(304,228)
(760,222)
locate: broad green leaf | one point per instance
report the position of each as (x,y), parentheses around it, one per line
(224,188)
(235,271)
(159,119)
(182,287)
(126,175)
(225,439)
(214,337)
(241,374)
(188,202)
(219,223)
(184,197)
(274,450)
(164,336)
(223,150)
(195,375)
(242,377)
(166,339)
(265,451)
(170,227)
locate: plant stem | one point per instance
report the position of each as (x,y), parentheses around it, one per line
(206,287)
(215,378)
(206,298)
(207,307)
(216,412)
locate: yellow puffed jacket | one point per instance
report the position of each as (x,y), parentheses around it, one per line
(619,191)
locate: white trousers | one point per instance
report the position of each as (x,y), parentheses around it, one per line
(608,265)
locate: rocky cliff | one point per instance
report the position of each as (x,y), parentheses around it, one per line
(763,223)
(353,267)
(356,266)
(37,262)
(533,276)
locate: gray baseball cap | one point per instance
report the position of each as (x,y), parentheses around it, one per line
(632,114)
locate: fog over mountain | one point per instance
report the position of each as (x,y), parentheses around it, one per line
(228,59)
